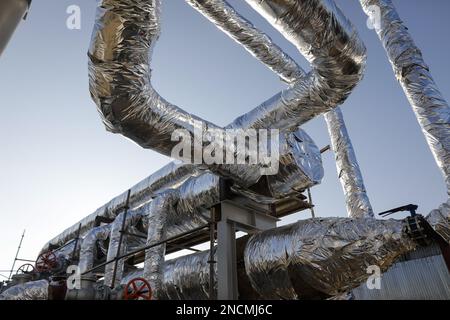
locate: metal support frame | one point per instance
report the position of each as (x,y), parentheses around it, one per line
(232,219)
(119,247)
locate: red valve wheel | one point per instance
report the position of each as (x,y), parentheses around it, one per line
(46,262)
(137,289)
(26,269)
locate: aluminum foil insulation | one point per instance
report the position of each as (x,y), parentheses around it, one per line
(439,219)
(300,168)
(357,201)
(328,255)
(133,218)
(256,42)
(184,278)
(311,259)
(120,80)
(35,290)
(169,176)
(154,257)
(260,46)
(187,278)
(89,245)
(430,107)
(329,42)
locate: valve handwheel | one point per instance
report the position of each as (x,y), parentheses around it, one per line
(46,262)
(137,289)
(26,269)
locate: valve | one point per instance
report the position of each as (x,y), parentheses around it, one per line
(137,289)
(46,262)
(26,269)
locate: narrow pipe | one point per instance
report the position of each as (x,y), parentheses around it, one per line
(253,40)
(349,173)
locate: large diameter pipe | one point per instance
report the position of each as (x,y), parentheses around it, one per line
(11,12)
(120,77)
(261,47)
(428,104)
(310,259)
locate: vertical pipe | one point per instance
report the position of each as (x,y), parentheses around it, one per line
(122,230)
(427,102)
(356,199)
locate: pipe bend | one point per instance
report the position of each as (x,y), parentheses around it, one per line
(120,73)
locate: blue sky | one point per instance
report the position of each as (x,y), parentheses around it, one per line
(58,163)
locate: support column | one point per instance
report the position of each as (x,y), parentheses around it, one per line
(234,218)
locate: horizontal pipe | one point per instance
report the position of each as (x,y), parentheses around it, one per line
(120,79)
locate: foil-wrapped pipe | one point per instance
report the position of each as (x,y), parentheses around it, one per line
(89,245)
(223,15)
(329,256)
(260,46)
(114,271)
(329,42)
(35,290)
(169,176)
(154,256)
(428,104)
(300,167)
(311,259)
(120,81)
(439,219)
(357,201)
(187,278)
(11,12)
(184,278)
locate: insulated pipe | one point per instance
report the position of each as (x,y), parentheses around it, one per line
(114,271)
(253,40)
(300,167)
(88,246)
(329,42)
(310,259)
(120,78)
(168,209)
(261,47)
(11,13)
(170,175)
(327,255)
(34,290)
(428,104)
(357,201)
(154,257)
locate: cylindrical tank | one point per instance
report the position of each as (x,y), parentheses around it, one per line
(11,12)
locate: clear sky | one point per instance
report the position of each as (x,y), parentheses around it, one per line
(58,164)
